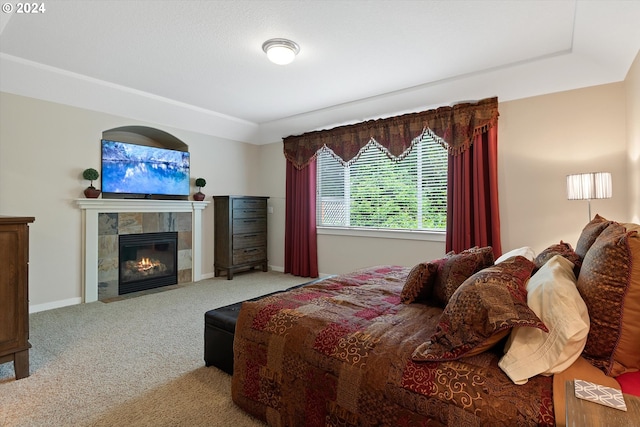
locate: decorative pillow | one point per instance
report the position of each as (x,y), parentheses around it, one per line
(490,302)
(454,269)
(562,249)
(609,284)
(524,251)
(632,227)
(630,383)
(553,297)
(419,283)
(590,233)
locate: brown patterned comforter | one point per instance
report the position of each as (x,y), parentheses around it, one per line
(337,353)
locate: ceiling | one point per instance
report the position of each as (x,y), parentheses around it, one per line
(198,65)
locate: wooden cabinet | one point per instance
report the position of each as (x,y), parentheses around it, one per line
(240,228)
(14,293)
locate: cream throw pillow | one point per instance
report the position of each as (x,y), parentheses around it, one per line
(553,296)
(524,251)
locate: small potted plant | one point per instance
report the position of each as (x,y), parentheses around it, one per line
(199,196)
(91,192)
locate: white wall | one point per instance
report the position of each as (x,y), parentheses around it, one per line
(633,136)
(341,254)
(272,172)
(541,140)
(44,147)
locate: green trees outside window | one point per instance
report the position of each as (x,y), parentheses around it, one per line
(376,192)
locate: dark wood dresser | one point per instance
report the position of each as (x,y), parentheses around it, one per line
(14,293)
(240,228)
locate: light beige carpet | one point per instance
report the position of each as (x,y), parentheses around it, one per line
(136,362)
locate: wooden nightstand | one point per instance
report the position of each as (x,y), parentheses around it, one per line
(582,413)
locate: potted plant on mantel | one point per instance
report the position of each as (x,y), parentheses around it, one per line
(91,192)
(199,196)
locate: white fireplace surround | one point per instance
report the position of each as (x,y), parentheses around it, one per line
(92,207)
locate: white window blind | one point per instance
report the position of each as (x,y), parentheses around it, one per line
(377,192)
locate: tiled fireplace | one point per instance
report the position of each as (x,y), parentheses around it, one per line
(147,261)
(134,248)
(105,221)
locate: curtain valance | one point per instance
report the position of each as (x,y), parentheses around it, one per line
(456,125)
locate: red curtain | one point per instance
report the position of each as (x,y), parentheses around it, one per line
(470,131)
(456,125)
(300,245)
(473,217)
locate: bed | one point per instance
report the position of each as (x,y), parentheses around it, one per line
(426,345)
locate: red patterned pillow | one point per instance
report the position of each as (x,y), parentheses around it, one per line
(488,303)
(590,233)
(454,269)
(609,284)
(419,283)
(563,249)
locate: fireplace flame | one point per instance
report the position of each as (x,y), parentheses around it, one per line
(146,264)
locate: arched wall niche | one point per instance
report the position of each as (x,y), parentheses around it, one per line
(152,184)
(144,135)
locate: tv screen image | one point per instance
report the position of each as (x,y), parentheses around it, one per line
(131,169)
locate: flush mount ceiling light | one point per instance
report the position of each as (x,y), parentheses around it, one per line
(281,51)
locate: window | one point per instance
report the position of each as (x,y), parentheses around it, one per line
(376,192)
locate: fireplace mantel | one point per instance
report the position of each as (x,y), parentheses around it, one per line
(140,205)
(91,208)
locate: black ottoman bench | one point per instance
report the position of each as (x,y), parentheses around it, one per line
(219,329)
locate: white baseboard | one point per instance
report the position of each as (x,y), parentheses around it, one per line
(271,267)
(54,304)
(280,269)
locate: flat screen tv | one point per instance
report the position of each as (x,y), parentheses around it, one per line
(140,171)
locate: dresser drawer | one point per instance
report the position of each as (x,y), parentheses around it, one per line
(249,240)
(239,204)
(248,213)
(249,225)
(243,256)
